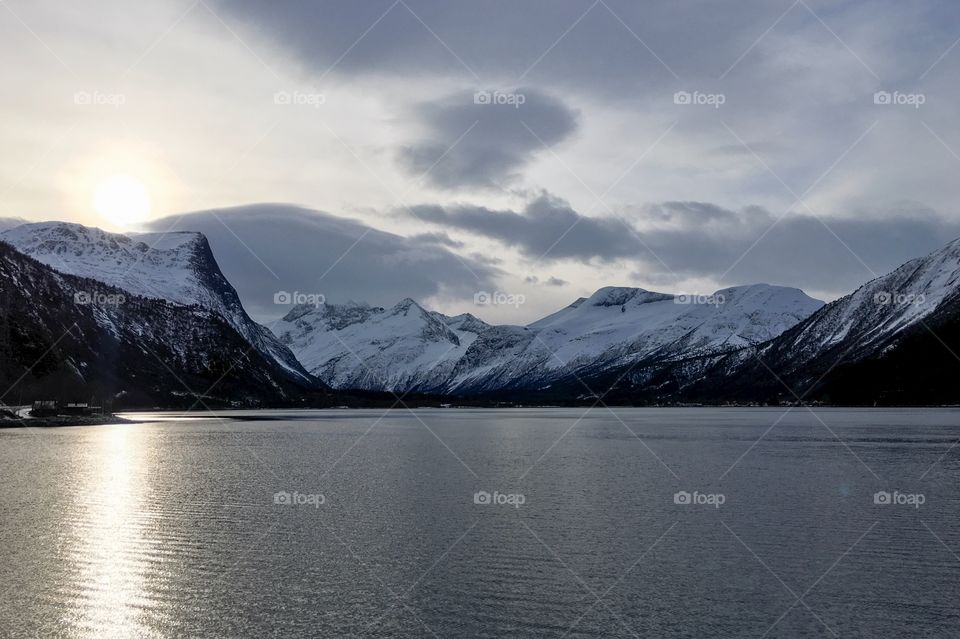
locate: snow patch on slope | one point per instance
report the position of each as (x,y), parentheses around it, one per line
(360,346)
(882,308)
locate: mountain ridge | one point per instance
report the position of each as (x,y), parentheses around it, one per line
(70,337)
(178,266)
(831,354)
(749,343)
(335,342)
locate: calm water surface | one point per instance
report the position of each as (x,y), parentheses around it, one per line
(172,527)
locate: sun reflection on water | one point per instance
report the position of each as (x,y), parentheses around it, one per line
(112,550)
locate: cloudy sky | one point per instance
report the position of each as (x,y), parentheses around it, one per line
(434,148)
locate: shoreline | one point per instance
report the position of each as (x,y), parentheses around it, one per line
(64,420)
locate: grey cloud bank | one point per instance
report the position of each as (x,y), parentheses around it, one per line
(672,241)
(619,47)
(475,140)
(400,121)
(265,248)
(797,81)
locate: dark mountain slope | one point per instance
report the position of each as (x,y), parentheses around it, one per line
(68,337)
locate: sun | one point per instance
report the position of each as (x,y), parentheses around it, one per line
(122,200)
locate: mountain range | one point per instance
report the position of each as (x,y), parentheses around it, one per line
(409,349)
(893,341)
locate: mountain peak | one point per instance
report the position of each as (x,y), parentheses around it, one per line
(44,236)
(178,267)
(331,316)
(764,293)
(361,346)
(406,304)
(104,353)
(620,295)
(464,322)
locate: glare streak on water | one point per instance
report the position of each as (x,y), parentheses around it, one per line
(170,528)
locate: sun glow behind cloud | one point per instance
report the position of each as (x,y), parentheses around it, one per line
(117,185)
(122,200)
(183,98)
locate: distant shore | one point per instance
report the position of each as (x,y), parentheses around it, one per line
(11,420)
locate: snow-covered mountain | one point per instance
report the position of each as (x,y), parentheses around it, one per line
(875,314)
(359,346)
(408,348)
(872,321)
(67,337)
(178,267)
(619,326)
(894,340)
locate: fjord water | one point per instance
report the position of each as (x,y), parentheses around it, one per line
(172,527)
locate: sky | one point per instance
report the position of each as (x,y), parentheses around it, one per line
(540,149)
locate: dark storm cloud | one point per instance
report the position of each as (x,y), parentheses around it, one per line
(825,254)
(798,113)
(682,240)
(498,37)
(797,78)
(481,138)
(618,46)
(546,226)
(266,248)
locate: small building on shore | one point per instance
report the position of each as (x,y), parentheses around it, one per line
(52,408)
